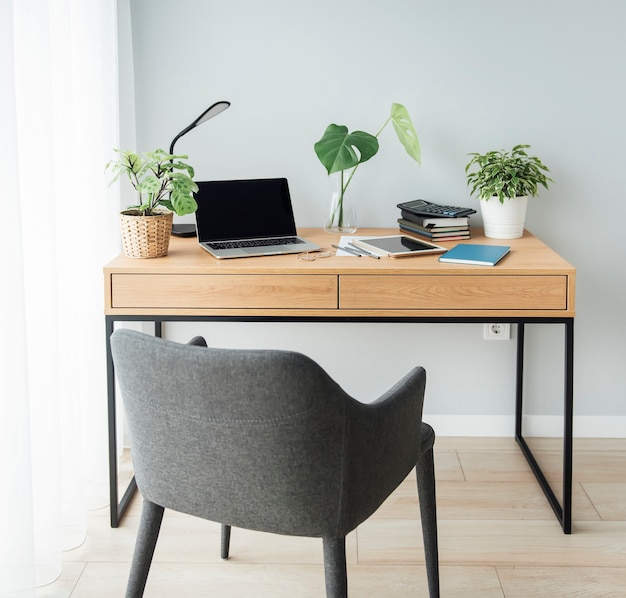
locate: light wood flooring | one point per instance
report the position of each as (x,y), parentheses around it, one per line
(498,537)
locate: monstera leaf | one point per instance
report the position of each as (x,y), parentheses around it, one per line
(406,131)
(340,150)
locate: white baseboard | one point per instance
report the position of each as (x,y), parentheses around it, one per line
(585,426)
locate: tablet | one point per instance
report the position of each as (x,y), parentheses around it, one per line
(398,246)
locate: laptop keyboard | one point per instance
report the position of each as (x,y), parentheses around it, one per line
(254,243)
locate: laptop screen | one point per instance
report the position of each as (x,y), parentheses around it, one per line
(245,209)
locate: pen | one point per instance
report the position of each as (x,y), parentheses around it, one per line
(348,249)
(364,252)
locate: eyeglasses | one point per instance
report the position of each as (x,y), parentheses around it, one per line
(311,256)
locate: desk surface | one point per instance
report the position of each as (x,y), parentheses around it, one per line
(532,281)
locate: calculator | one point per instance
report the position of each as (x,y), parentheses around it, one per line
(421,207)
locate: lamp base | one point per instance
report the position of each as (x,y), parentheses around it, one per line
(184,230)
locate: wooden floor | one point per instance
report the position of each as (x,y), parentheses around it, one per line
(498,537)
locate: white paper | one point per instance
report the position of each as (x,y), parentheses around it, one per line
(344,242)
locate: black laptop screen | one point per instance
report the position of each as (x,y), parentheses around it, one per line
(245,209)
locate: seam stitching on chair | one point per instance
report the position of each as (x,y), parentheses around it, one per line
(277,420)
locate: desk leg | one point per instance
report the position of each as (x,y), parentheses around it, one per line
(568,430)
(564,512)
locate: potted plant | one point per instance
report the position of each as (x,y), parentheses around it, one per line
(341,152)
(164,185)
(503,182)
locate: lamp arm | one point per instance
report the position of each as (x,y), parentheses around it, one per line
(183,132)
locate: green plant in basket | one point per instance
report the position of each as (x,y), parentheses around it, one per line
(340,150)
(160,179)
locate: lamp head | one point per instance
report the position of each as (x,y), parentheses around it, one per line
(209,113)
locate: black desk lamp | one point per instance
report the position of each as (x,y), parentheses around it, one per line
(189,230)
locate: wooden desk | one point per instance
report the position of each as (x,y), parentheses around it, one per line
(532,284)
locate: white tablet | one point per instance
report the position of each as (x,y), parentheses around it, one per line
(398,246)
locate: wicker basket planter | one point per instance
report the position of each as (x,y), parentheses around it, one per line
(145,236)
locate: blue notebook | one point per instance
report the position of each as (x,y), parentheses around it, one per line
(480,255)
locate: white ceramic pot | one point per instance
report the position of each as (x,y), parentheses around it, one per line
(504,220)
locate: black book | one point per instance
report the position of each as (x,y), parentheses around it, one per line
(434,220)
(433,231)
(452,236)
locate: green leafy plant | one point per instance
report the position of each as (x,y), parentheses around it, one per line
(506,174)
(339,150)
(160,179)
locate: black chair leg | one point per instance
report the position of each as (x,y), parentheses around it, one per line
(335,567)
(225,541)
(425,470)
(147,535)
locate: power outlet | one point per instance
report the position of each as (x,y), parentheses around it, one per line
(497,332)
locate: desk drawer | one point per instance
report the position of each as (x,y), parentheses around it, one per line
(197,291)
(453,292)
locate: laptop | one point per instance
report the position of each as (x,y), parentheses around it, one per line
(247,218)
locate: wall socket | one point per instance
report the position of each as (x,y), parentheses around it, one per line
(497,332)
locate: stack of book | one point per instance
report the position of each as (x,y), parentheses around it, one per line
(435,228)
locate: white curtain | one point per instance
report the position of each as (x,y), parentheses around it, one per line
(58,124)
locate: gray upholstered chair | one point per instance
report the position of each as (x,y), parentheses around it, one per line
(266,440)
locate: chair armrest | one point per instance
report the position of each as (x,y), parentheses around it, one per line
(385,441)
(395,416)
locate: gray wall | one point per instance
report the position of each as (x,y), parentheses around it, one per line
(474,76)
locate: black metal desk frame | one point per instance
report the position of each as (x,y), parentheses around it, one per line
(562,511)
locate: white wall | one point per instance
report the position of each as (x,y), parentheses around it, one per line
(474,76)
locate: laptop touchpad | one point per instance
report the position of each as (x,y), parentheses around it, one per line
(258,250)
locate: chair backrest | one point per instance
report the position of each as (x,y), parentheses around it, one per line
(250,438)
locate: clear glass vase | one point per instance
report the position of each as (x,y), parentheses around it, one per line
(341,217)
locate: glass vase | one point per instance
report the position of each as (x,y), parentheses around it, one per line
(341,217)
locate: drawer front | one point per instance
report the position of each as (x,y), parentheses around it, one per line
(453,292)
(190,291)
